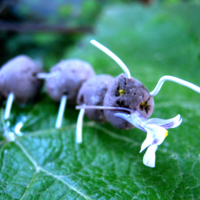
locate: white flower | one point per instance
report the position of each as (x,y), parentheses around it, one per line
(156,132)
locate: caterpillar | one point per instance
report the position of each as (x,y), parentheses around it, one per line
(122,101)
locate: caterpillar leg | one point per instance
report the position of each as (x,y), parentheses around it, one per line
(9,103)
(61,111)
(113,56)
(43,75)
(176,80)
(79,126)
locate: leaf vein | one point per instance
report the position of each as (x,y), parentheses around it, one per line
(25,192)
(38,168)
(110,133)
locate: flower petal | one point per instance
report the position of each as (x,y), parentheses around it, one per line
(166,123)
(157,133)
(124,116)
(155,136)
(135,118)
(149,158)
(141,122)
(147,142)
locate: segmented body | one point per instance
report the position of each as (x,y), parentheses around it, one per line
(76,79)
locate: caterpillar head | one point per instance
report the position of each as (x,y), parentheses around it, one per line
(127,93)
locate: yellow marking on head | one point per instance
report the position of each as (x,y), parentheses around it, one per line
(166,133)
(144,103)
(121,92)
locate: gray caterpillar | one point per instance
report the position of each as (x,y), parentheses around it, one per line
(123,101)
(74,81)
(104,90)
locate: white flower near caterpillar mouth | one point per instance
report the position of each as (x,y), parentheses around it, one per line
(156,132)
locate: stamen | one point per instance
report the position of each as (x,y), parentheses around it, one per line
(61,111)
(103,108)
(43,75)
(166,133)
(113,56)
(9,103)
(79,126)
(176,80)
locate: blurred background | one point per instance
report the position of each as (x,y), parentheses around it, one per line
(45,29)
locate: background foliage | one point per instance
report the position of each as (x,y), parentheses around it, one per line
(45,163)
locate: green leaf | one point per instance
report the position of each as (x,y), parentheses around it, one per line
(46,163)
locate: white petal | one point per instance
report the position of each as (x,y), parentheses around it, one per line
(149,158)
(136,119)
(147,142)
(124,116)
(166,123)
(157,133)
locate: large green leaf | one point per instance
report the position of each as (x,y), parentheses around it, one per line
(46,163)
